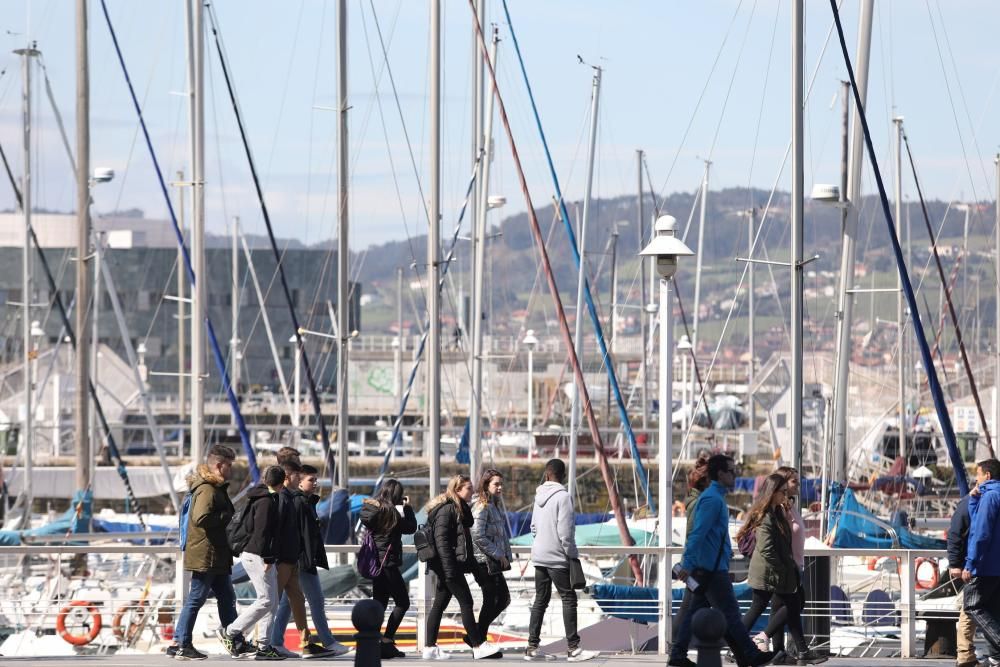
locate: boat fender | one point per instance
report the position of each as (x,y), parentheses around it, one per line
(925,573)
(92,629)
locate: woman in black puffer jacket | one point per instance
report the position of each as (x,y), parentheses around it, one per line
(451,518)
(380,516)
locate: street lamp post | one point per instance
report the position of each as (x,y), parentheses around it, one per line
(666,248)
(531,342)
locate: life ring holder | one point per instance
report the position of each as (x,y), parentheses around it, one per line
(94,627)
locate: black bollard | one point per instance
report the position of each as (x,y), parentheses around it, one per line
(367,619)
(708,627)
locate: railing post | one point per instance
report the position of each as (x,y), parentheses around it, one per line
(664,597)
(907,594)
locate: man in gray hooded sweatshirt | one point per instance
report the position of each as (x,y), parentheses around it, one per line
(554,528)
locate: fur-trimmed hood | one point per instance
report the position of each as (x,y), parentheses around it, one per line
(204,475)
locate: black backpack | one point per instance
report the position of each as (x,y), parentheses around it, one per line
(423,540)
(240,528)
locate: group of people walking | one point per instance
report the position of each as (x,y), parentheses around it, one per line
(773,538)
(278,541)
(470,536)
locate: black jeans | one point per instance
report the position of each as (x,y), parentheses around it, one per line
(445,590)
(390,584)
(681,642)
(716,591)
(981,599)
(544,578)
(496,598)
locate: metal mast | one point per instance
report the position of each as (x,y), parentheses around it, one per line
(28,437)
(848,248)
(996,321)
(699,253)
(196,109)
(798,180)
(234,339)
(343,257)
(751,343)
(433,444)
(900,310)
(81,418)
(581,280)
(478,285)
(640,225)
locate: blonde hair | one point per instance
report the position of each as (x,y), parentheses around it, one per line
(451,493)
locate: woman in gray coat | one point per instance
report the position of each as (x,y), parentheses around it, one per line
(491,541)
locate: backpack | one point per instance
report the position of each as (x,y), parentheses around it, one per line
(183,521)
(240,529)
(423,540)
(747,543)
(369,565)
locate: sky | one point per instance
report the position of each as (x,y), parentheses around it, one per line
(685,81)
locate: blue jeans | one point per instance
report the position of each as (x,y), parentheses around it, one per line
(317,609)
(716,592)
(203,583)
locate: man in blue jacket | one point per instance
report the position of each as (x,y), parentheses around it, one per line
(982,561)
(706,560)
(958,547)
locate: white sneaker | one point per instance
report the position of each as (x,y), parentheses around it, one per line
(579,655)
(484,650)
(337,648)
(434,653)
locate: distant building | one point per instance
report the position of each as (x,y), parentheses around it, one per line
(142,257)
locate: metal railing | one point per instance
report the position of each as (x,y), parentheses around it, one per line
(905,610)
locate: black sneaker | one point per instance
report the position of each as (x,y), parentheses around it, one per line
(228,641)
(314,650)
(172,650)
(189,653)
(681,662)
(389,651)
(763,658)
(811,658)
(268,653)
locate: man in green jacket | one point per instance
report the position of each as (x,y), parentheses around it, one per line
(207,555)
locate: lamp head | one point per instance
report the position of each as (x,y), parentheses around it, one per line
(530,341)
(666,247)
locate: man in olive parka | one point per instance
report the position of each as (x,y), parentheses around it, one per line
(207,555)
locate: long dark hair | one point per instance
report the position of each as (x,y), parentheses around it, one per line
(390,493)
(483,488)
(762,503)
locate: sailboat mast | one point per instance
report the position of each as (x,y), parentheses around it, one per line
(699,253)
(798,193)
(433,444)
(996,321)
(81,417)
(343,258)
(581,282)
(478,287)
(28,436)
(234,313)
(196,113)
(640,225)
(848,245)
(900,310)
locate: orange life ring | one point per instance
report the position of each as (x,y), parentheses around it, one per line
(926,577)
(118,626)
(94,627)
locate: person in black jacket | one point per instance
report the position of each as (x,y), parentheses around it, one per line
(451,518)
(311,557)
(388,516)
(958,544)
(258,560)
